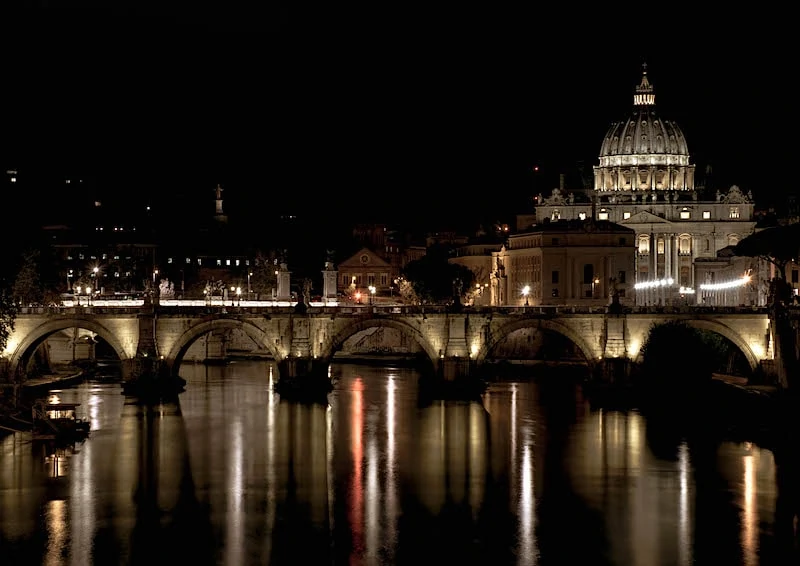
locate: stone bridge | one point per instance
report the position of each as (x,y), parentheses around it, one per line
(454,339)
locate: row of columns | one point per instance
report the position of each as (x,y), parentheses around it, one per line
(675,178)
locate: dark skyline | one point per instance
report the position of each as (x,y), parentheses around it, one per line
(373,126)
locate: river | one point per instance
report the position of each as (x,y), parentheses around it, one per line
(530,474)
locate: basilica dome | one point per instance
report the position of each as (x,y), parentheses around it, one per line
(644,138)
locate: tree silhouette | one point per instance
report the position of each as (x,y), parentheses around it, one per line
(27,288)
(435,280)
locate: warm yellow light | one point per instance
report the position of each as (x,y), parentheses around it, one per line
(758,351)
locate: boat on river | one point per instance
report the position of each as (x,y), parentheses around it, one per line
(58,422)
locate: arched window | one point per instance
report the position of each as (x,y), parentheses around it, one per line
(644,244)
(685,244)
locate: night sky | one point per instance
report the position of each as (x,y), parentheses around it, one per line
(323,114)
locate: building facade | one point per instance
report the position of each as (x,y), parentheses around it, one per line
(645,181)
(565,263)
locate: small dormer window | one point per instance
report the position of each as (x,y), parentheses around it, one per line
(556,215)
(626,215)
(685,214)
(706,214)
(603,214)
(582,215)
(734,212)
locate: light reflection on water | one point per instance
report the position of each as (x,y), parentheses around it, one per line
(231,474)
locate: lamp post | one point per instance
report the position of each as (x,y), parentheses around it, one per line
(88,296)
(371,294)
(78,294)
(249,274)
(239,295)
(595,282)
(525,291)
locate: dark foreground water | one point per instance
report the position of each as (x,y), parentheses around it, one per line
(532,475)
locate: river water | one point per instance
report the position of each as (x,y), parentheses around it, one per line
(531,474)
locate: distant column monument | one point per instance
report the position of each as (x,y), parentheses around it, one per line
(219,214)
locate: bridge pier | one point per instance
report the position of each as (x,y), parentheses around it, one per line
(454,368)
(454,377)
(614,370)
(303,376)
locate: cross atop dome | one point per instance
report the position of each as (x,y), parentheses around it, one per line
(645,95)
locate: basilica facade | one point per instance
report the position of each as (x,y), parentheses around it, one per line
(645,181)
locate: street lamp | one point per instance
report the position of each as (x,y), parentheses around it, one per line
(88,296)
(595,282)
(233,289)
(525,291)
(249,274)
(239,295)
(78,294)
(371,294)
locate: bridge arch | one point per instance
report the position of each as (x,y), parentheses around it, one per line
(185,340)
(725,331)
(36,336)
(503,331)
(336,342)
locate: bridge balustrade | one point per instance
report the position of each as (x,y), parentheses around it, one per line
(192,307)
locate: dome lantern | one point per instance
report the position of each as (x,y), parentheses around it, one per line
(645,152)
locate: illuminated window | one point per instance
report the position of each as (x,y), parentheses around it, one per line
(706,214)
(685,244)
(227,262)
(644,244)
(219,262)
(685,214)
(237,262)
(626,215)
(199,261)
(582,215)
(556,215)
(660,246)
(734,212)
(169,260)
(188,260)
(603,214)
(733,239)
